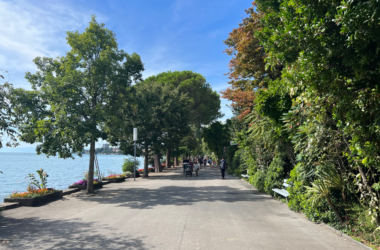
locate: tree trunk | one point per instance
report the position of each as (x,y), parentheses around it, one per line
(146,158)
(344,197)
(159,161)
(378,220)
(176,161)
(90,175)
(157,164)
(364,177)
(335,211)
(168,152)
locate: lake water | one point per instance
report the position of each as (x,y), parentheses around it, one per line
(62,172)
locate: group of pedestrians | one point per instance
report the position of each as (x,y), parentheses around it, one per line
(196,163)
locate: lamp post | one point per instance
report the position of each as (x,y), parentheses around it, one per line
(134,139)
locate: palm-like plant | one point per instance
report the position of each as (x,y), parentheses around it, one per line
(321,189)
(334,180)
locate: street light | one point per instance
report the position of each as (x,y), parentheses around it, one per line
(134,139)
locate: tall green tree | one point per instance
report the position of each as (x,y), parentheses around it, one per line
(77,92)
(8,122)
(187,144)
(156,110)
(217,136)
(203,105)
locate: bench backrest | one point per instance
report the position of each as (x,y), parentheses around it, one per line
(286,185)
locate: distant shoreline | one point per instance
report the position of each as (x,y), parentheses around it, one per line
(51,156)
(101,154)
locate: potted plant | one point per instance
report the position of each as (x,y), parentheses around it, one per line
(82,184)
(115,178)
(37,192)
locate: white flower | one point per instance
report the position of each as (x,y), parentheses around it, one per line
(44,173)
(41,170)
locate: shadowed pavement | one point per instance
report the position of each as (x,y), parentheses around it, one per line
(167,211)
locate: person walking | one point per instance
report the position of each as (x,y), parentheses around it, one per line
(191,166)
(196,168)
(184,165)
(200,161)
(223,166)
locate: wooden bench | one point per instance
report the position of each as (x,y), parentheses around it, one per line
(245,175)
(283,192)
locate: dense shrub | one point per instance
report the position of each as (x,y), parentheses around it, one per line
(235,165)
(258,180)
(297,191)
(129,164)
(275,174)
(300,201)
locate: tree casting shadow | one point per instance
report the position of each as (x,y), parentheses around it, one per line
(37,233)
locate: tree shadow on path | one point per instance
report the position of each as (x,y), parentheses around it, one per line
(181,192)
(37,233)
(144,198)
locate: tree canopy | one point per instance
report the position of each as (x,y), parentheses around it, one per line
(8,120)
(159,112)
(76,92)
(204,103)
(217,137)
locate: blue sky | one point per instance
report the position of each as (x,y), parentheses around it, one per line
(168,35)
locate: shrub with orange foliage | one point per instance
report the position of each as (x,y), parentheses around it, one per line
(247,72)
(242,101)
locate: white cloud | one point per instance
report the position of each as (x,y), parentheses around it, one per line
(28,31)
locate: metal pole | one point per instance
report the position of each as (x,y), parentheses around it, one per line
(134,169)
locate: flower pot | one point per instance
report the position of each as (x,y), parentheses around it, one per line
(129,175)
(84,187)
(114,180)
(31,202)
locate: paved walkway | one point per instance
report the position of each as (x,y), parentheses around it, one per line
(167,211)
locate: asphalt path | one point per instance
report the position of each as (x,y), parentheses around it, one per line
(167,211)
